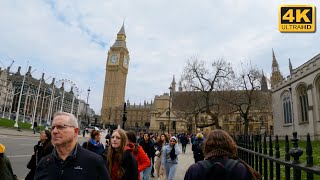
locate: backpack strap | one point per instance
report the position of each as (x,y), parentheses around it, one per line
(205,164)
(231,163)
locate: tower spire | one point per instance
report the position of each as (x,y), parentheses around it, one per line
(290,66)
(263,82)
(173,84)
(276,75)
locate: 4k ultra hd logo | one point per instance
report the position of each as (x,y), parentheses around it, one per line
(297,18)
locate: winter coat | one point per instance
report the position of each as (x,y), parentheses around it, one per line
(81,164)
(93,146)
(165,155)
(129,165)
(197,149)
(142,158)
(184,139)
(40,151)
(6,172)
(148,147)
(196,171)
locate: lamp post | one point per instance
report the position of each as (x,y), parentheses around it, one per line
(87,106)
(124,116)
(170,88)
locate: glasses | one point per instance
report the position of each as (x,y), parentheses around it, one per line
(60,127)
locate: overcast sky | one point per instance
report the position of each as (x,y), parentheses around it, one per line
(70,39)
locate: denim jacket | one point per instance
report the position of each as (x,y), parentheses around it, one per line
(166,154)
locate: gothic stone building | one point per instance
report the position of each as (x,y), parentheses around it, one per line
(296,100)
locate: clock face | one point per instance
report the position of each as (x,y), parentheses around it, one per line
(113,59)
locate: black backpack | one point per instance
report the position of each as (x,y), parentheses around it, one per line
(217,170)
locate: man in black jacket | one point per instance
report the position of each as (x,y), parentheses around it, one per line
(68,159)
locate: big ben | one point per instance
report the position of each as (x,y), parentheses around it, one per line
(116,76)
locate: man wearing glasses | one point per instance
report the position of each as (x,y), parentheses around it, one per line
(68,159)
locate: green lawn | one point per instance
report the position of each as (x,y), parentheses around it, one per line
(302,146)
(10,124)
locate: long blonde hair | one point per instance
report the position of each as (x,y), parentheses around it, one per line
(116,155)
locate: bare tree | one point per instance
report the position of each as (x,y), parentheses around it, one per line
(244,93)
(203,81)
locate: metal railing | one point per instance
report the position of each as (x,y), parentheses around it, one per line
(254,150)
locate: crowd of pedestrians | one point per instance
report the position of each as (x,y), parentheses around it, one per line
(124,156)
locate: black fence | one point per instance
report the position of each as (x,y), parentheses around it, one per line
(266,159)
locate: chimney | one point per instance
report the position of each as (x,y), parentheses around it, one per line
(42,78)
(29,71)
(18,72)
(62,86)
(71,91)
(8,69)
(53,80)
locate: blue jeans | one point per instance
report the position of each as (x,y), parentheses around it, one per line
(145,175)
(170,170)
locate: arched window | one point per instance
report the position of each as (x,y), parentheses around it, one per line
(287,108)
(303,103)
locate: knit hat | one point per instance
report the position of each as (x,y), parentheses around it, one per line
(2,148)
(173,137)
(199,136)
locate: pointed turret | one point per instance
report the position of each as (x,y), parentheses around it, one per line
(290,66)
(173,84)
(263,82)
(122,30)
(276,75)
(180,86)
(121,38)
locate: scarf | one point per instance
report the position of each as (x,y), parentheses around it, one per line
(95,143)
(219,153)
(173,154)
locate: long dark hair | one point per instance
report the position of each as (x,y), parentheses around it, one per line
(133,139)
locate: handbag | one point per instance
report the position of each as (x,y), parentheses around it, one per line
(32,163)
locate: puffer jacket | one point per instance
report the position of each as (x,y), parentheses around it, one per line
(165,156)
(142,158)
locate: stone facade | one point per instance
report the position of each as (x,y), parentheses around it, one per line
(296,101)
(115,79)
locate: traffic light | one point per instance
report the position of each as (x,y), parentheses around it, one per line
(173,124)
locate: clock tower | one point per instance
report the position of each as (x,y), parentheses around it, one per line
(116,76)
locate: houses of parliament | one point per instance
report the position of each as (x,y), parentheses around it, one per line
(158,115)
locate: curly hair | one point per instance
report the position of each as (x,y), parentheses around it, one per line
(220,140)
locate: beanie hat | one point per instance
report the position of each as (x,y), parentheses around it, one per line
(173,137)
(2,148)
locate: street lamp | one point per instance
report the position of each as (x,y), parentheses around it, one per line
(87,106)
(170,88)
(124,116)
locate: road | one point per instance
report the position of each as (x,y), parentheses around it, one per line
(20,147)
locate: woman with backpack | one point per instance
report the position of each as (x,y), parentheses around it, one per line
(138,152)
(221,161)
(197,148)
(170,157)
